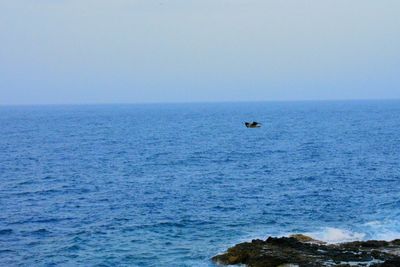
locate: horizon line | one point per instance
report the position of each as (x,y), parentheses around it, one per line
(196,102)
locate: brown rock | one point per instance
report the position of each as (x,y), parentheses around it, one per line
(303,251)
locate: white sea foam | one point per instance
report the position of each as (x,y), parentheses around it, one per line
(336,235)
(383,230)
(380,230)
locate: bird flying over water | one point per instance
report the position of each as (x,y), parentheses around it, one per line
(253,124)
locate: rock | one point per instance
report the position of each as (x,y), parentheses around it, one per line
(391,263)
(303,251)
(306,239)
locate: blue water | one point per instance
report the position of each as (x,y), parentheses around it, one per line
(172,185)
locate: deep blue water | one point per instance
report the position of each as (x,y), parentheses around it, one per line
(172,185)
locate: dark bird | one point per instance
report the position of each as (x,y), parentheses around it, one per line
(253,124)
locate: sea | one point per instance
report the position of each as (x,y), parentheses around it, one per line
(175,184)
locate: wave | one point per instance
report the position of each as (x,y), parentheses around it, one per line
(377,230)
(5,231)
(336,235)
(383,230)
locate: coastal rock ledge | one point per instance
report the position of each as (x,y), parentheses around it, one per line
(303,251)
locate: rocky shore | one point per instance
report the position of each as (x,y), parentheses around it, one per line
(303,251)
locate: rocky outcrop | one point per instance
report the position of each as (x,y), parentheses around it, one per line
(303,251)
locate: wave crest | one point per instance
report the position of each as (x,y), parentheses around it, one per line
(336,235)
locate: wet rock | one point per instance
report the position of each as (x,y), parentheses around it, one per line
(390,263)
(304,251)
(306,239)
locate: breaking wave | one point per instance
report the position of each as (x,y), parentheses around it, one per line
(379,230)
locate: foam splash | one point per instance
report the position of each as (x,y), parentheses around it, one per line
(383,230)
(336,235)
(378,230)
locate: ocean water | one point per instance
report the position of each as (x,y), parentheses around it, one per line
(175,184)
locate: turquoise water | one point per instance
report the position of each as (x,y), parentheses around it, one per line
(173,185)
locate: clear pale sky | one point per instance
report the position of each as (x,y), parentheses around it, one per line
(129,51)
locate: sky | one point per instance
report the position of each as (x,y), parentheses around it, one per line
(135,51)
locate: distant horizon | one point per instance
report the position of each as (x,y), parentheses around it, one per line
(202,102)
